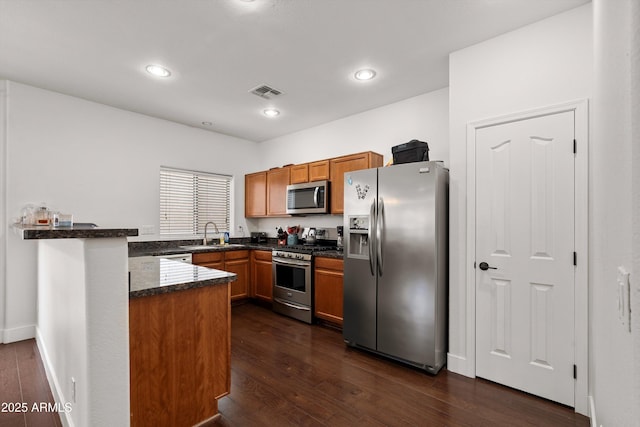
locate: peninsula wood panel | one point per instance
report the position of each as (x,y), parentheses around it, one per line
(180,355)
(329,297)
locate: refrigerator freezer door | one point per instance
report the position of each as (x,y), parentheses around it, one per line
(406,298)
(359,325)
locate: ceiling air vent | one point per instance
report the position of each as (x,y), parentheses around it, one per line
(266,92)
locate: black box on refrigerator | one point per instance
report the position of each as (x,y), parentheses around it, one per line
(409,152)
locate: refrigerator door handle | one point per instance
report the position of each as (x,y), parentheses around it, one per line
(372,225)
(380,235)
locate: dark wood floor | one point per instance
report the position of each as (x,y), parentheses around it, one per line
(23,382)
(287,373)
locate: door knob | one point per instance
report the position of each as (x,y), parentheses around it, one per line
(484,266)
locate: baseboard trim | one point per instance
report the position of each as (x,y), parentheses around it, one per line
(18,334)
(56,390)
(592,412)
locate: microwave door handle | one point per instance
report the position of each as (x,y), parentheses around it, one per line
(316,192)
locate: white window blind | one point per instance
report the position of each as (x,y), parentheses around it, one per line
(189,199)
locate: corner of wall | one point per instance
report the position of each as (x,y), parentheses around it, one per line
(3,207)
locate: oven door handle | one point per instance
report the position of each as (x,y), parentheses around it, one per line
(291,305)
(294,263)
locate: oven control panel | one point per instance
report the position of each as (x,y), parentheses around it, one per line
(292,255)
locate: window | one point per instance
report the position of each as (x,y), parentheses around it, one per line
(189,199)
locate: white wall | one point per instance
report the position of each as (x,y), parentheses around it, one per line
(3,218)
(546,63)
(102,165)
(424,117)
(612,216)
(83,328)
(635,187)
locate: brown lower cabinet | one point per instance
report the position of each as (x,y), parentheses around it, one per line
(255,279)
(238,262)
(232,261)
(328,282)
(180,355)
(262,275)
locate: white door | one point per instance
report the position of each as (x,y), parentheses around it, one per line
(525,235)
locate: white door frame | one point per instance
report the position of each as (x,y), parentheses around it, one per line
(581,110)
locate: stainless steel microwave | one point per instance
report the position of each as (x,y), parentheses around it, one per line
(308,198)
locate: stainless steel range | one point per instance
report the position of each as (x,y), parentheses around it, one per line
(293,281)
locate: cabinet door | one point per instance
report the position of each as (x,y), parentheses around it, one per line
(255,194)
(339,166)
(300,173)
(277,181)
(329,278)
(209,259)
(238,262)
(262,275)
(319,171)
(239,288)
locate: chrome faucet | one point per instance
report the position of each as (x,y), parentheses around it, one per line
(204,241)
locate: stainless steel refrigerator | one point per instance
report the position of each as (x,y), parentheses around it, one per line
(396,262)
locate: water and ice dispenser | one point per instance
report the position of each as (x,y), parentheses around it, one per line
(359,237)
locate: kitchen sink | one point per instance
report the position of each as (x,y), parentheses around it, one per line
(201,247)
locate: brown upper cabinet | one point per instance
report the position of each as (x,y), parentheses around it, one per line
(266,192)
(255,194)
(340,165)
(310,172)
(319,171)
(300,173)
(277,181)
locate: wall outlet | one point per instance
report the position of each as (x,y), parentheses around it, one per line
(147,229)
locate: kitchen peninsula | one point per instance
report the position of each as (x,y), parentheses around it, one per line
(83,328)
(180,341)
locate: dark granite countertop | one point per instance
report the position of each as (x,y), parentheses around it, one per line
(218,248)
(160,248)
(329,254)
(152,276)
(159,251)
(88,231)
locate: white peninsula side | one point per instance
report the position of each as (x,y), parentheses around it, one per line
(82,330)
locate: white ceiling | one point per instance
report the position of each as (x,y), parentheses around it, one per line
(218,50)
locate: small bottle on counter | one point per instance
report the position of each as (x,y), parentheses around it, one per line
(226,237)
(54,218)
(42,215)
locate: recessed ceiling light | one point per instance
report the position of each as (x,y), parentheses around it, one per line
(366,74)
(158,70)
(271,112)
